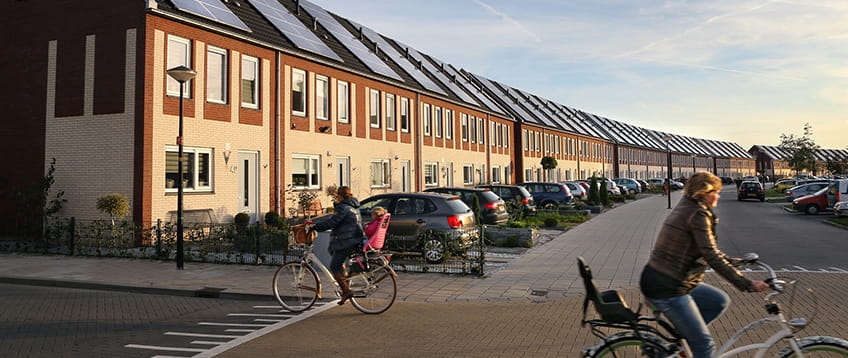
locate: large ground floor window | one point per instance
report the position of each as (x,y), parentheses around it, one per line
(306,171)
(197,169)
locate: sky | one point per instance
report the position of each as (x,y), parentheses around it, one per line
(744,71)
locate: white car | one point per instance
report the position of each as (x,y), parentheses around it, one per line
(840,208)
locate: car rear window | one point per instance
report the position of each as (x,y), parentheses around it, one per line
(553,188)
(456,205)
(751,185)
(489,196)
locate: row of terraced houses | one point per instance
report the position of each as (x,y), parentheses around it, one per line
(288,97)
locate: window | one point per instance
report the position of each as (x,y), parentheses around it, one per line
(216,75)
(380,173)
(197,169)
(464,122)
(249,82)
(437,121)
(448,124)
(179,53)
(322,97)
(390,111)
(496,174)
(506,136)
(528,174)
(374,108)
(468,174)
(493,140)
(404,115)
(482,130)
(426,115)
(305,172)
(431,174)
(298,95)
(472,129)
(343,102)
(538,141)
(526,140)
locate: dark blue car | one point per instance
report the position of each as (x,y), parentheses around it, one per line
(548,195)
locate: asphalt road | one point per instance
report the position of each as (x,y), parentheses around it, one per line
(791,241)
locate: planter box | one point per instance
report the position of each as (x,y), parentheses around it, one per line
(575,212)
(524,235)
(595,209)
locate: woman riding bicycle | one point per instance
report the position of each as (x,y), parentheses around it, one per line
(347,235)
(686,245)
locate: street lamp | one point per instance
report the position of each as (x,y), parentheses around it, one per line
(668,161)
(182,74)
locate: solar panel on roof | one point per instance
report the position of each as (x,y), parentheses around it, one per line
(448,82)
(399,59)
(508,102)
(292,28)
(213,10)
(348,40)
(462,81)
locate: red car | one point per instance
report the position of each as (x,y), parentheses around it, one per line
(812,204)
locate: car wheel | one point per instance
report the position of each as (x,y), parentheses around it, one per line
(433,251)
(549,205)
(739,198)
(762,200)
(812,209)
(631,192)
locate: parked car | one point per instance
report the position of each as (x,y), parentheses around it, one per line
(726,180)
(841,208)
(492,207)
(675,185)
(645,185)
(783,184)
(630,185)
(416,213)
(803,190)
(751,190)
(612,187)
(837,191)
(548,195)
(577,190)
(514,192)
(812,204)
(584,184)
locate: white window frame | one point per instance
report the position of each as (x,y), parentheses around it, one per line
(253,63)
(374,108)
(437,121)
(433,178)
(472,129)
(314,162)
(171,85)
(425,111)
(343,102)
(220,83)
(496,174)
(448,124)
(322,97)
(506,136)
(463,118)
(390,112)
(192,152)
(493,140)
(298,74)
(381,173)
(526,140)
(482,129)
(404,115)
(468,174)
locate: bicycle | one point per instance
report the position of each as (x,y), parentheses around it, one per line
(297,285)
(638,338)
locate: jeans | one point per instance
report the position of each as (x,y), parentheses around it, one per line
(690,314)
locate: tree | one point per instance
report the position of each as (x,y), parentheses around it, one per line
(604,193)
(835,167)
(594,197)
(800,151)
(115,205)
(549,163)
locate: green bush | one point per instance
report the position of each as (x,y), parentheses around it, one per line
(594,197)
(551,222)
(115,205)
(272,218)
(241,219)
(516,224)
(604,193)
(617,198)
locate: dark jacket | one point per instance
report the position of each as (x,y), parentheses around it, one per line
(686,245)
(345,222)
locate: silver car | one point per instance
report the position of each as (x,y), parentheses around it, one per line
(803,190)
(577,190)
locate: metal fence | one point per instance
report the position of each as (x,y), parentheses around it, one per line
(462,252)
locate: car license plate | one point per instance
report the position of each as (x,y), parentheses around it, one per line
(752,194)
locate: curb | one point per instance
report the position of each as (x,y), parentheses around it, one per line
(206,292)
(835,224)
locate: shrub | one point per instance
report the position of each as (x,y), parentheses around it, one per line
(551,222)
(241,219)
(115,205)
(604,193)
(594,198)
(516,224)
(272,218)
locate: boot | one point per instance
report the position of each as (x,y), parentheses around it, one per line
(341,279)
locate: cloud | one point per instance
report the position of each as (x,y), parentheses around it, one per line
(508,19)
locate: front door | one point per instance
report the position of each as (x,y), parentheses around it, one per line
(343,171)
(404,176)
(248,184)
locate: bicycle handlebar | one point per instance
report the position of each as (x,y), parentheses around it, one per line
(773,282)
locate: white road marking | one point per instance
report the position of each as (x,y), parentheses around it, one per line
(215,343)
(267,320)
(234,330)
(257,315)
(233,324)
(274,307)
(161,348)
(200,335)
(161,356)
(243,339)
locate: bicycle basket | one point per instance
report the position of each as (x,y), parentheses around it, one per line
(302,235)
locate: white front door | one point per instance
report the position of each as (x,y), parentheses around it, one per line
(248,184)
(343,171)
(404,176)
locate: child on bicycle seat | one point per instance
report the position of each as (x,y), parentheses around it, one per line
(673,278)
(371,228)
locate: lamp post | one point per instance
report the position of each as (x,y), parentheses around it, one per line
(182,74)
(668,161)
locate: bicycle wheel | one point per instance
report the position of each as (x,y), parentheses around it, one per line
(374,291)
(628,345)
(296,286)
(818,347)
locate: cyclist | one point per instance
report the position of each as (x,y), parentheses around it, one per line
(347,235)
(686,245)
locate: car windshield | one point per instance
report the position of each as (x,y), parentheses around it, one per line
(457,205)
(489,197)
